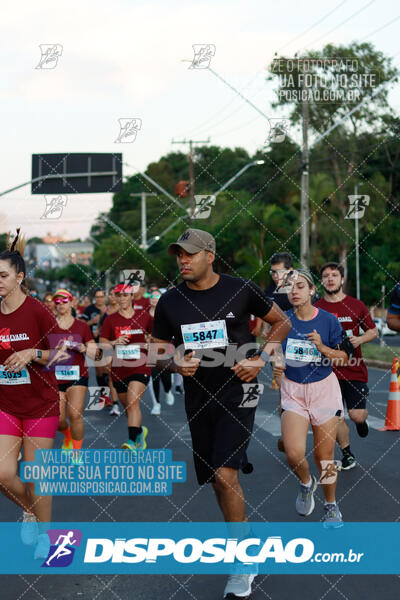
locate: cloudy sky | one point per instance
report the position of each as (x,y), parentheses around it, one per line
(130,59)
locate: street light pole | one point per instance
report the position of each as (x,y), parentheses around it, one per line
(305,204)
(357,241)
(144,215)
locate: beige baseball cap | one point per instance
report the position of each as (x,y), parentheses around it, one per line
(192,241)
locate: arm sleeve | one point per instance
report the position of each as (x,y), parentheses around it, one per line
(162,329)
(258,304)
(394,308)
(336,332)
(106,330)
(366,320)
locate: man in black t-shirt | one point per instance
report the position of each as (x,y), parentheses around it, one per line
(92,315)
(281,264)
(207,316)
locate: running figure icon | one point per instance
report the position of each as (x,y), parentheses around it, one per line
(62,550)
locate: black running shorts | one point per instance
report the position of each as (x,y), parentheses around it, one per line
(62,387)
(221,428)
(121,386)
(354,393)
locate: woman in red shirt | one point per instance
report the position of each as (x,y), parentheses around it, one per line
(73,339)
(124,331)
(29,403)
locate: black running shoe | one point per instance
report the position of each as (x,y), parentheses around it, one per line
(348,462)
(362,429)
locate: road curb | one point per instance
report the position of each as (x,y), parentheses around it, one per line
(379,364)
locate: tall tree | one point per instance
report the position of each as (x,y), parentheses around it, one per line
(333,82)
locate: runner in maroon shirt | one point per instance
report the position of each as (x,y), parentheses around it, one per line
(353,378)
(141,303)
(125,331)
(29,411)
(73,339)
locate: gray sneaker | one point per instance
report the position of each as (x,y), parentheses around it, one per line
(305,498)
(238,586)
(332,517)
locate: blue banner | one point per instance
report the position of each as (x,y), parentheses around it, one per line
(214,548)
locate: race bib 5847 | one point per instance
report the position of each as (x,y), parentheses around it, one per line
(211,334)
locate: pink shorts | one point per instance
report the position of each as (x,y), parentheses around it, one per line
(45,427)
(317,402)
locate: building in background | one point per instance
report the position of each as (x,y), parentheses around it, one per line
(58,255)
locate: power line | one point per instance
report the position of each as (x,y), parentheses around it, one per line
(312,26)
(343,22)
(380,28)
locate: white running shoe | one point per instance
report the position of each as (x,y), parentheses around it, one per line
(156,410)
(170,399)
(42,546)
(115,411)
(239,586)
(29,529)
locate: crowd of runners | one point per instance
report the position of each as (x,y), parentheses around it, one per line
(206,339)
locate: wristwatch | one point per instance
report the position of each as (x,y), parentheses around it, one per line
(264,356)
(38,354)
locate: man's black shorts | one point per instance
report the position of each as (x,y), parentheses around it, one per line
(354,393)
(121,387)
(221,429)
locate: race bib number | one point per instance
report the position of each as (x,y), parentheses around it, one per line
(302,350)
(7,378)
(67,373)
(129,352)
(211,334)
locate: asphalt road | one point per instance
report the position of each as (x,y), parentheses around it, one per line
(389,340)
(370,492)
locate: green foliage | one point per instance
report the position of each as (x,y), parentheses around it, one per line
(259,213)
(79,275)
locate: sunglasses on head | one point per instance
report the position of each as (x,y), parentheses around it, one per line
(61,300)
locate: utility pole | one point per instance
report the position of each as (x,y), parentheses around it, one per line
(191,166)
(357,244)
(305,205)
(143,196)
(381,342)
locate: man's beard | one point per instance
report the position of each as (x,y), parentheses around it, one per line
(332,292)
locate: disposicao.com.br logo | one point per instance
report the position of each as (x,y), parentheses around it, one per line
(191,550)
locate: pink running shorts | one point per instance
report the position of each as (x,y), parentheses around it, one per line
(45,427)
(318,402)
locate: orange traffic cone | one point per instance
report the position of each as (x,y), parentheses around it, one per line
(392,421)
(274,385)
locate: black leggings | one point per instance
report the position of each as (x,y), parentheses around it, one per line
(165,377)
